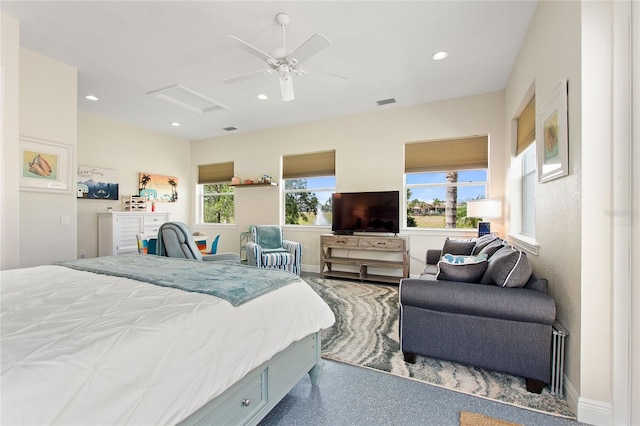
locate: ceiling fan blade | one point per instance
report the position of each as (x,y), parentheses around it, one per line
(309,48)
(252,50)
(286,88)
(247,76)
(306,70)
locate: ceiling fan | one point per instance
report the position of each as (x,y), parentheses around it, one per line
(280,60)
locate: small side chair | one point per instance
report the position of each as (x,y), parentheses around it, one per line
(267,248)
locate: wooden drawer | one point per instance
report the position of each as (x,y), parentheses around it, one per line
(391,244)
(339,241)
(152,223)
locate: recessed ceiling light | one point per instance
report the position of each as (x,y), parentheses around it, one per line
(91,98)
(440,55)
(263,97)
(175,124)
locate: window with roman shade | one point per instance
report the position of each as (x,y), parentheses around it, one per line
(526,127)
(441,176)
(309,180)
(447,154)
(215,173)
(216,203)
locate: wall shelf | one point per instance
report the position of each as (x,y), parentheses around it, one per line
(254,184)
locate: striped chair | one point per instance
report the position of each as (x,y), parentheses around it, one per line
(268,249)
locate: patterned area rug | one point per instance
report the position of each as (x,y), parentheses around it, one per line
(366,334)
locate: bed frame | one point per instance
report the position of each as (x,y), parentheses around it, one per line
(250,400)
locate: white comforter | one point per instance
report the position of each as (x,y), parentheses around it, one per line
(82,348)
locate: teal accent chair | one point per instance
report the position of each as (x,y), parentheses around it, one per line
(267,248)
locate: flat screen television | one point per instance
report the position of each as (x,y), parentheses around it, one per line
(365,212)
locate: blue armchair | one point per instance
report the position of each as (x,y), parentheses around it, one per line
(267,248)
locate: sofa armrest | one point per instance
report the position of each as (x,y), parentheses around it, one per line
(482,300)
(254,254)
(433,256)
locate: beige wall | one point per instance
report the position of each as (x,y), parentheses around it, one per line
(369,156)
(558,202)
(9,131)
(48,111)
(129,150)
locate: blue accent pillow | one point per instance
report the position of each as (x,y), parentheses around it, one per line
(462,268)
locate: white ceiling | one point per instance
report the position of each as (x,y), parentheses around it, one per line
(125,49)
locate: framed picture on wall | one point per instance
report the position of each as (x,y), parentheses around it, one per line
(158,187)
(46,166)
(552,135)
(97,183)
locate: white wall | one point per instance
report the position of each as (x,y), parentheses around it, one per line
(9,131)
(369,156)
(129,150)
(48,111)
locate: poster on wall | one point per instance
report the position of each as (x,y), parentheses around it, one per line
(97,183)
(158,187)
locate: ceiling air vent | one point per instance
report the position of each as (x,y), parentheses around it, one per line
(386,101)
(229,129)
(186,98)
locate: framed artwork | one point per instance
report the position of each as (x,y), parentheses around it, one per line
(552,136)
(46,166)
(97,183)
(158,187)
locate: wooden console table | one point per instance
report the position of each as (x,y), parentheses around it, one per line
(363,245)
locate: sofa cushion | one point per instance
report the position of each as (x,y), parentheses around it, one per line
(459,247)
(462,268)
(508,267)
(482,242)
(492,247)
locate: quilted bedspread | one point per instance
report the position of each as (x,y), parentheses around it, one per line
(80,348)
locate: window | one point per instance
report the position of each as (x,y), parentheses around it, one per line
(309,181)
(215,196)
(529,191)
(440,177)
(526,157)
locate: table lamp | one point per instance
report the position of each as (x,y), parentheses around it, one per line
(484,209)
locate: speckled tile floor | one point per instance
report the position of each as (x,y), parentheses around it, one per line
(349,395)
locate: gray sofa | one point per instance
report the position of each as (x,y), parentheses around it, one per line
(500,320)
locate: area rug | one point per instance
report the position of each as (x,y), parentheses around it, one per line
(475,419)
(366,334)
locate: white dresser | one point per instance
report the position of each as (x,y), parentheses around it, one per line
(117,230)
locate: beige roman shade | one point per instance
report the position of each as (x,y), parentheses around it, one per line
(215,173)
(309,165)
(447,155)
(526,126)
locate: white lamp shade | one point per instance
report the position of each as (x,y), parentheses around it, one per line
(484,209)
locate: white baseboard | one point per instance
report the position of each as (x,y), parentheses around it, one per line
(310,268)
(595,412)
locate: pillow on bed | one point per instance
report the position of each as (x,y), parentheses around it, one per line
(462,268)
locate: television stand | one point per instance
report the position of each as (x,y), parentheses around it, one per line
(364,248)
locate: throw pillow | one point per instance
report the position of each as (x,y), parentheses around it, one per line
(508,267)
(459,247)
(462,268)
(482,242)
(492,247)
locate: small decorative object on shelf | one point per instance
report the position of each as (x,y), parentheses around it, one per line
(134,203)
(265,179)
(235,180)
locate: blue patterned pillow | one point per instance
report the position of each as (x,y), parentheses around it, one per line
(462,268)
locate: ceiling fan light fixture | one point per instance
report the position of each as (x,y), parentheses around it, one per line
(438,56)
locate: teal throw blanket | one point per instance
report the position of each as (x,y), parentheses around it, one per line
(232,282)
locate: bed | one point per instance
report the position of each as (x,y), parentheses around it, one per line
(83,346)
